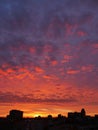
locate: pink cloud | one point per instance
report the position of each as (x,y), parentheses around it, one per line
(66,58)
(73,71)
(88,68)
(81,33)
(32,50)
(95,45)
(54,63)
(69,28)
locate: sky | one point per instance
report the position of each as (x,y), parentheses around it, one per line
(48,56)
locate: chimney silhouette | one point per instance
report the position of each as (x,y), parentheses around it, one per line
(83,112)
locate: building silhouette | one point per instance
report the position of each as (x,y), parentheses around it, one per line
(83,112)
(15,115)
(77,114)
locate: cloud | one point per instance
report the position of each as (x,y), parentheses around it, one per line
(66,58)
(69,96)
(38,69)
(52,40)
(8,97)
(87,68)
(73,71)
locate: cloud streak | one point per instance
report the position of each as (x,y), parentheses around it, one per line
(14,98)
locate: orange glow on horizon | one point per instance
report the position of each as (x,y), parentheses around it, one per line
(35,110)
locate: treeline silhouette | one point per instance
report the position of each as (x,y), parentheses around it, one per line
(74,121)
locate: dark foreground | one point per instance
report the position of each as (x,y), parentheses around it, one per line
(74,121)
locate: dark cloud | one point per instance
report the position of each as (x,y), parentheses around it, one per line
(8,97)
(77,97)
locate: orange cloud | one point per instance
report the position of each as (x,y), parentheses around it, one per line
(39,69)
(47,76)
(73,71)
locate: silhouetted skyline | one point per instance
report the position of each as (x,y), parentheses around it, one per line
(19,114)
(75,120)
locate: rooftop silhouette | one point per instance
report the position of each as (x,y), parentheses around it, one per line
(74,121)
